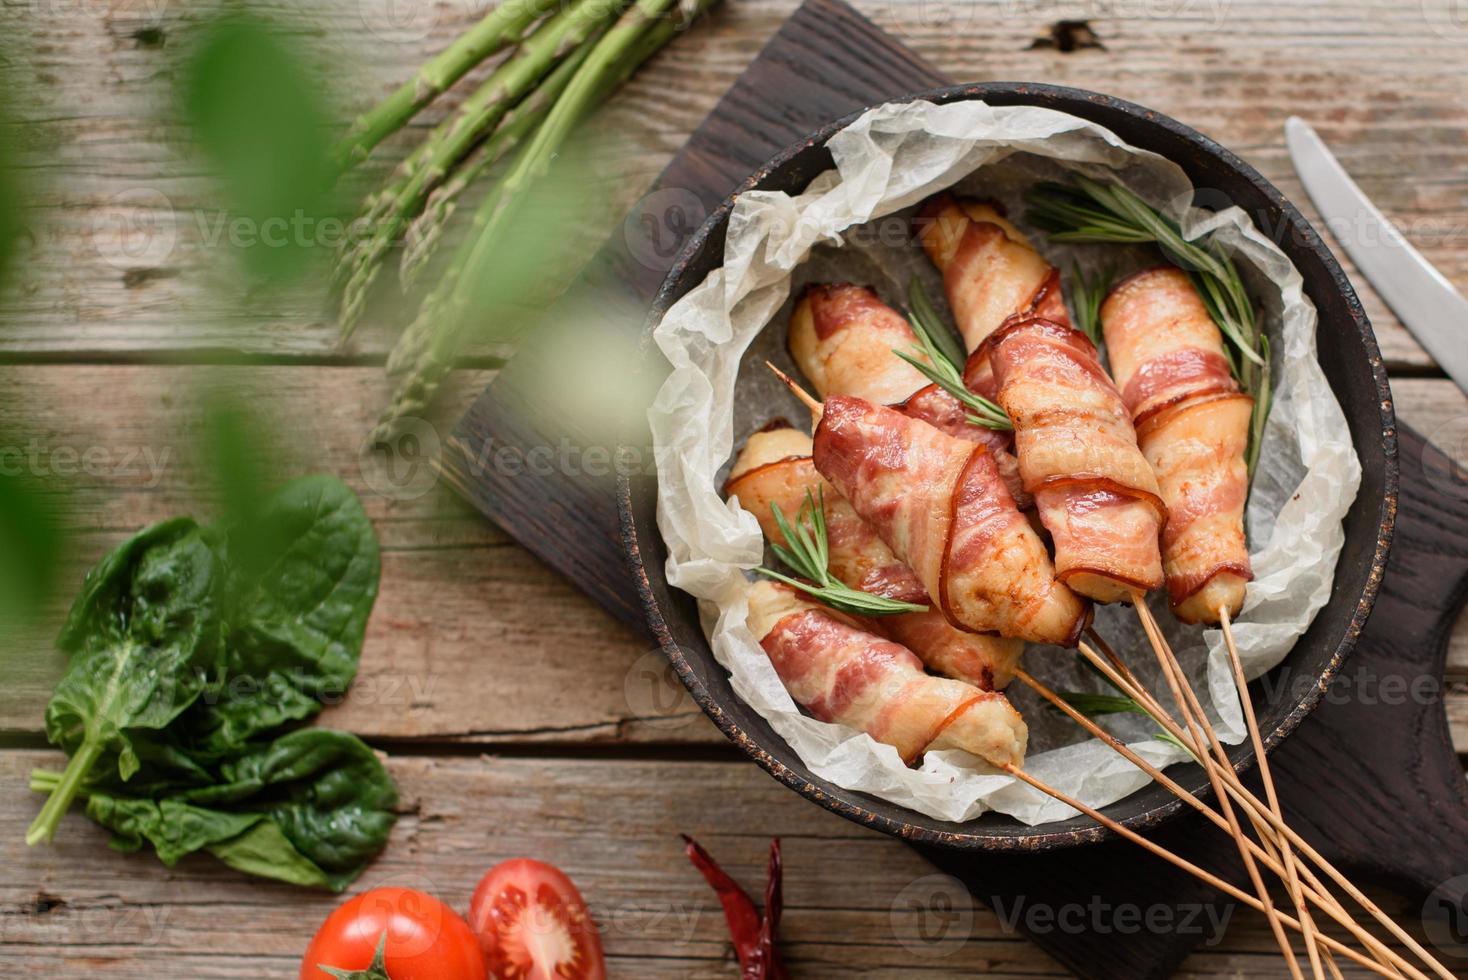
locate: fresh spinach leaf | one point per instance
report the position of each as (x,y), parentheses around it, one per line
(190,647)
(303,578)
(174,828)
(144,638)
(326,790)
(264,850)
(311,808)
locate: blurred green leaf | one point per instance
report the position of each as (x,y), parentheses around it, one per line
(13,198)
(32,549)
(544,239)
(257,115)
(244,464)
(234,445)
(12,205)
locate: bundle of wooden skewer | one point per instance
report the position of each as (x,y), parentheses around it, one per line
(1264,839)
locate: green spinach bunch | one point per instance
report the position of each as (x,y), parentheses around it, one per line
(191,649)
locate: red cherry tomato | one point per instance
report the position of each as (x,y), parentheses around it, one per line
(533,924)
(426,940)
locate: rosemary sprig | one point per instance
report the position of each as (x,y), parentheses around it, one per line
(1087,296)
(1094,705)
(807,551)
(927,323)
(943,364)
(1092,212)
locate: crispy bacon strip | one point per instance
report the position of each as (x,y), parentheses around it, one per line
(990,269)
(1078,455)
(947,414)
(1193,426)
(941,507)
(767,473)
(842,338)
(840,670)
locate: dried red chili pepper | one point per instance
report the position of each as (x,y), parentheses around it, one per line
(755,936)
(767,963)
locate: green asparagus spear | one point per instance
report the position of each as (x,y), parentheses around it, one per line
(424,354)
(426,232)
(390,209)
(499,29)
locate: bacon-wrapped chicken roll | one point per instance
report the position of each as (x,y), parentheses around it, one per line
(990,269)
(840,670)
(940,505)
(1078,455)
(842,337)
(767,473)
(1193,426)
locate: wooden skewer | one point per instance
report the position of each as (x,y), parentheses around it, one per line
(806,398)
(1316,891)
(1133,688)
(1286,853)
(1173,671)
(1237,894)
(1204,738)
(1247,799)
(1198,725)
(1208,812)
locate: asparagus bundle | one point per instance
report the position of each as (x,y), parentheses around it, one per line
(423,356)
(426,231)
(500,28)
(566,56)
(389,210)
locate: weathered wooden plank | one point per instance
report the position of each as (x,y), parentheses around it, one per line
(457,599)
(1384,85)
(856,903)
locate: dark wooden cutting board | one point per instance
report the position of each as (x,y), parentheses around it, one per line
(1371,779)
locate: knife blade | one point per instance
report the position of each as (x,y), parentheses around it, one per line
(1421,296)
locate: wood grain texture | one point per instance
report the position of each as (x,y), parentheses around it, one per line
(856,903)
(458,599)
(1384,84)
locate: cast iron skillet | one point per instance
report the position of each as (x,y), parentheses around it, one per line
(1347,352)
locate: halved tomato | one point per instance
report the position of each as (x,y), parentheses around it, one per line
(533,924)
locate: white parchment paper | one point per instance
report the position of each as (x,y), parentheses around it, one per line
(849,224)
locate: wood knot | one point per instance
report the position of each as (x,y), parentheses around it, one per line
(1066,36)
(138,276)
(44,903)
